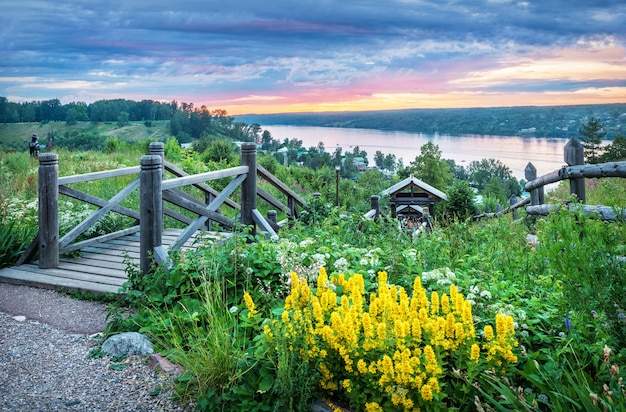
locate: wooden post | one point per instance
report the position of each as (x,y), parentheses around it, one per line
(272,216)
(574,154)
(151,210)
(48,210)
(158,149)
(512,201)
(375,205)
(530,173)
(248,187)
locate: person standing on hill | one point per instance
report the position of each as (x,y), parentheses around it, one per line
(33,146)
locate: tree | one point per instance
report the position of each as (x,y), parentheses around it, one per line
(219,150)
(430,167)
(379,159)
(390,162)
(460,204)
(592,134)
(481,172)
(616,151)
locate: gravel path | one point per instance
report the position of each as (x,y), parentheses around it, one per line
(45,364)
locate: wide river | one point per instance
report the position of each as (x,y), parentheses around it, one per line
(515,152)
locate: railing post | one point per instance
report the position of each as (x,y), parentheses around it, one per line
(574,154)
(512,201)
(530,173)
(158,149)
(248,187)
(151,210)
(375,205)
(48,210)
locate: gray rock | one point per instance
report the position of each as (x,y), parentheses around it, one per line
(128,343)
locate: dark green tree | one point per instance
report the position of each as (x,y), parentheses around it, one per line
(390,162)
(220,150)
(460,204)
(616,151)
(430,167)
(592,134)
(379,159)
(481,172)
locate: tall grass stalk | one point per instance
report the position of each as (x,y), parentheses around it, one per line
(210,355)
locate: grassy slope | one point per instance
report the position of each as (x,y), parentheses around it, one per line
(17,135)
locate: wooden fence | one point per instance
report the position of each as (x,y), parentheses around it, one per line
(154,191)
(576,172)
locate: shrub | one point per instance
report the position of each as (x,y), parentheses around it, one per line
(390,351)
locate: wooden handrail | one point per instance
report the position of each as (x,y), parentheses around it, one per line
(265,174)
(610,169)
(66,180)
(175,170)
(203,177)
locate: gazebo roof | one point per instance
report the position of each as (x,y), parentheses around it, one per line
(412,181)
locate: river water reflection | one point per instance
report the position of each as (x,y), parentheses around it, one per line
(515,152)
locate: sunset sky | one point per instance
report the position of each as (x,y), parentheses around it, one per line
(325,55)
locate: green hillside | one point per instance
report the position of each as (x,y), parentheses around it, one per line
(16,135)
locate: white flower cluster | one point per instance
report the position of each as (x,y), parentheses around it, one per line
(441,276)
(17,210)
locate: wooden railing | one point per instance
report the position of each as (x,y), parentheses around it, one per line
(154,191)
(576,172)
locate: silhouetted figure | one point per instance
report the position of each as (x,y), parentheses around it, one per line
(33,146)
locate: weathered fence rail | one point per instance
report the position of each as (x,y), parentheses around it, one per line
(576,172)
(155,191)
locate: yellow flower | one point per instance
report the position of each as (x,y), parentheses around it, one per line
(475,353)
(426,392)
(373,407)
(434,303)
(249,304)
(445,304)
(488,332)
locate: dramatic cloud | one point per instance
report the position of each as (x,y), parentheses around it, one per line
(250,56)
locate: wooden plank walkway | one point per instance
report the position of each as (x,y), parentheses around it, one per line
(99,268)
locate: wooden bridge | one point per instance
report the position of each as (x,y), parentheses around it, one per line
(102,262)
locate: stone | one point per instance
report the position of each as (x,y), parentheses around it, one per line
(532,240)
(159,362)
(128,344)
(19,318)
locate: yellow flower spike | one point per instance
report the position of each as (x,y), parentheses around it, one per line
(488,332)
(249,304)
(450,326)
(475,353)
(500,324)
(373,407)
(416,330)
(445,304)
(322,279)
(434,303)
(426,392)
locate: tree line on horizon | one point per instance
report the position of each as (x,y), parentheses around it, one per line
(528,121)
(187,122)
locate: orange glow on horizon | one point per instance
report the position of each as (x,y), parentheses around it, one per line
(399,101)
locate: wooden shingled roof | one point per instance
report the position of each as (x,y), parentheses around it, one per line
(412,181)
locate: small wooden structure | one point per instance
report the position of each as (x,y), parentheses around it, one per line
(413,199)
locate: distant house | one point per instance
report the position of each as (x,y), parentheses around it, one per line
(413,198)
(359,163)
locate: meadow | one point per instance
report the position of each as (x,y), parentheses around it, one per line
(366,316)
